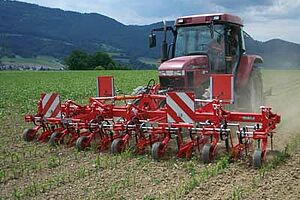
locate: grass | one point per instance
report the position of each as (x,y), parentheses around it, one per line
(20,91)
(237,193)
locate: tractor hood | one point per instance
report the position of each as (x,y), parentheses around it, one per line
(185,63)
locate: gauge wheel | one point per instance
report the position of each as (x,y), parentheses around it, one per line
(29,134)
(207,153)
(257,158)
(53,141)
(157,151)
(117,146)
(82,143)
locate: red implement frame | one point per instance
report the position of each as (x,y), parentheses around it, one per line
(145,119)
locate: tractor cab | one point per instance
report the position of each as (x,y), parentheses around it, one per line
(202,45)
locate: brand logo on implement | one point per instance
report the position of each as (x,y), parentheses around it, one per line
(51,106)
(248,118)
(180,107)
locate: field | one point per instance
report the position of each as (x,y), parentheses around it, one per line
(38,171)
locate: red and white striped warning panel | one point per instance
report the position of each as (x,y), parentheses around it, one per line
(51,105)
(180,107)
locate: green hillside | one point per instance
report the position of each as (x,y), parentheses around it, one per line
(39,30)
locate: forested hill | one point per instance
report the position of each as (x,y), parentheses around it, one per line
(30,30)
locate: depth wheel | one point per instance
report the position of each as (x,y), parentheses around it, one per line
(257,158)
(82,143)
(29,134)
(156,151)
(206,153)
(53,141)
(117,146)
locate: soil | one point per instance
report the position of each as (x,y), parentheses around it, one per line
(282,183)
(64,173)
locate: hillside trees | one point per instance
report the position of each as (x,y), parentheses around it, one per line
(80,60)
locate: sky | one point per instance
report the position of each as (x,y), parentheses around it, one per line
(263,19)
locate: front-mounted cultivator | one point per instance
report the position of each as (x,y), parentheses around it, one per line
(150,119)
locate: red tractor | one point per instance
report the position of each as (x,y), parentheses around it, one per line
(209,44)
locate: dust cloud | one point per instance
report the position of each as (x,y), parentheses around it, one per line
(282,93)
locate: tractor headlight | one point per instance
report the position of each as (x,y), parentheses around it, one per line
(178,73)
(162,73)
(171,73)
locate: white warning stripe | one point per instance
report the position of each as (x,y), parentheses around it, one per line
(55,104)
(170,118)
(52,107)
(174,106)
(187,100)
(58,115)
(46,99)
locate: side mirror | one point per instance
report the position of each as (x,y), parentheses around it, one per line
(152,40)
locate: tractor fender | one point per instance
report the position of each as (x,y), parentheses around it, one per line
(246,65)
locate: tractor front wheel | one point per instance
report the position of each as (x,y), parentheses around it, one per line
(250,97)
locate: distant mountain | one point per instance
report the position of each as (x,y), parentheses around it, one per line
(30,30)
(277,53)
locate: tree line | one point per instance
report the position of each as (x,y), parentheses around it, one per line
(80,60)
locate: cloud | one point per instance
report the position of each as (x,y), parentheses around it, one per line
(278,28)
(240,5)
(134,11)
(280,9)
(263,18)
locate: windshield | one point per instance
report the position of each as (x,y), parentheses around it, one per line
(197,39)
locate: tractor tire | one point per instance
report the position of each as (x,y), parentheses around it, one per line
(53,141)
(117,146)
(250,97)
(257,159)
(206,154)
(81,143)
(29,134)
(156,151)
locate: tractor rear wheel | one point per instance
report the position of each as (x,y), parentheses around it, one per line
(117,146)
(257,158)
(207,153)
(82,143)
(29,134)
(53,141)
(156,151)
(250,97)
